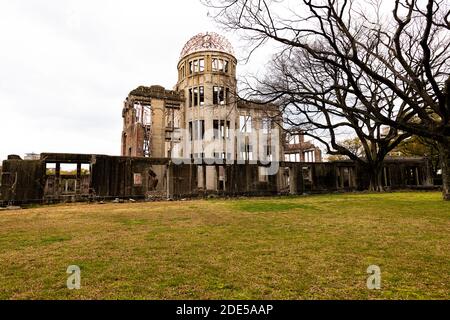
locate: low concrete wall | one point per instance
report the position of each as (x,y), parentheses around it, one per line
(109,177)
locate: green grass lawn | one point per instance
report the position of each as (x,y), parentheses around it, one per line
(314,247)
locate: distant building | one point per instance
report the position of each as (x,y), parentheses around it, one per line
(296,149)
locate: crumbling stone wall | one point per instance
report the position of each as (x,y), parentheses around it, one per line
(140,178)
(21,180)
(144,125)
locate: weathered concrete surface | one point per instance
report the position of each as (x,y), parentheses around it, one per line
(21,180)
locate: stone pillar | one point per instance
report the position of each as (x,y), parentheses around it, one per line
(211,178)
(58,179)
(293,180)
(78,180)
(170,181)
(317,155)
(158,138)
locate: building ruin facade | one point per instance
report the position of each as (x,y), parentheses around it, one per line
(195,140)
(203,118)
(61,177)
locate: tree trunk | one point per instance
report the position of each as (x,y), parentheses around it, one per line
(375,178)
(444,153)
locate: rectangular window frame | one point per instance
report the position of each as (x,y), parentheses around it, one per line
(190,97)
(196,66)
(215,65)
(219,95)
(202,95)
(215,95)
(195,96)
(245,123)
(198,129)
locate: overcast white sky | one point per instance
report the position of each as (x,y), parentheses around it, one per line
(67,65)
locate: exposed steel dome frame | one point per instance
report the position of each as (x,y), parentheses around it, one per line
(209,41)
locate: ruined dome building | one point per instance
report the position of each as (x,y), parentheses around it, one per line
(169,138)
(204,108)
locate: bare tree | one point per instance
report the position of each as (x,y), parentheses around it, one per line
(400,46)
(319,100)
(353,144)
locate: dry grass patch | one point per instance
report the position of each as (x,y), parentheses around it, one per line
(315,247)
